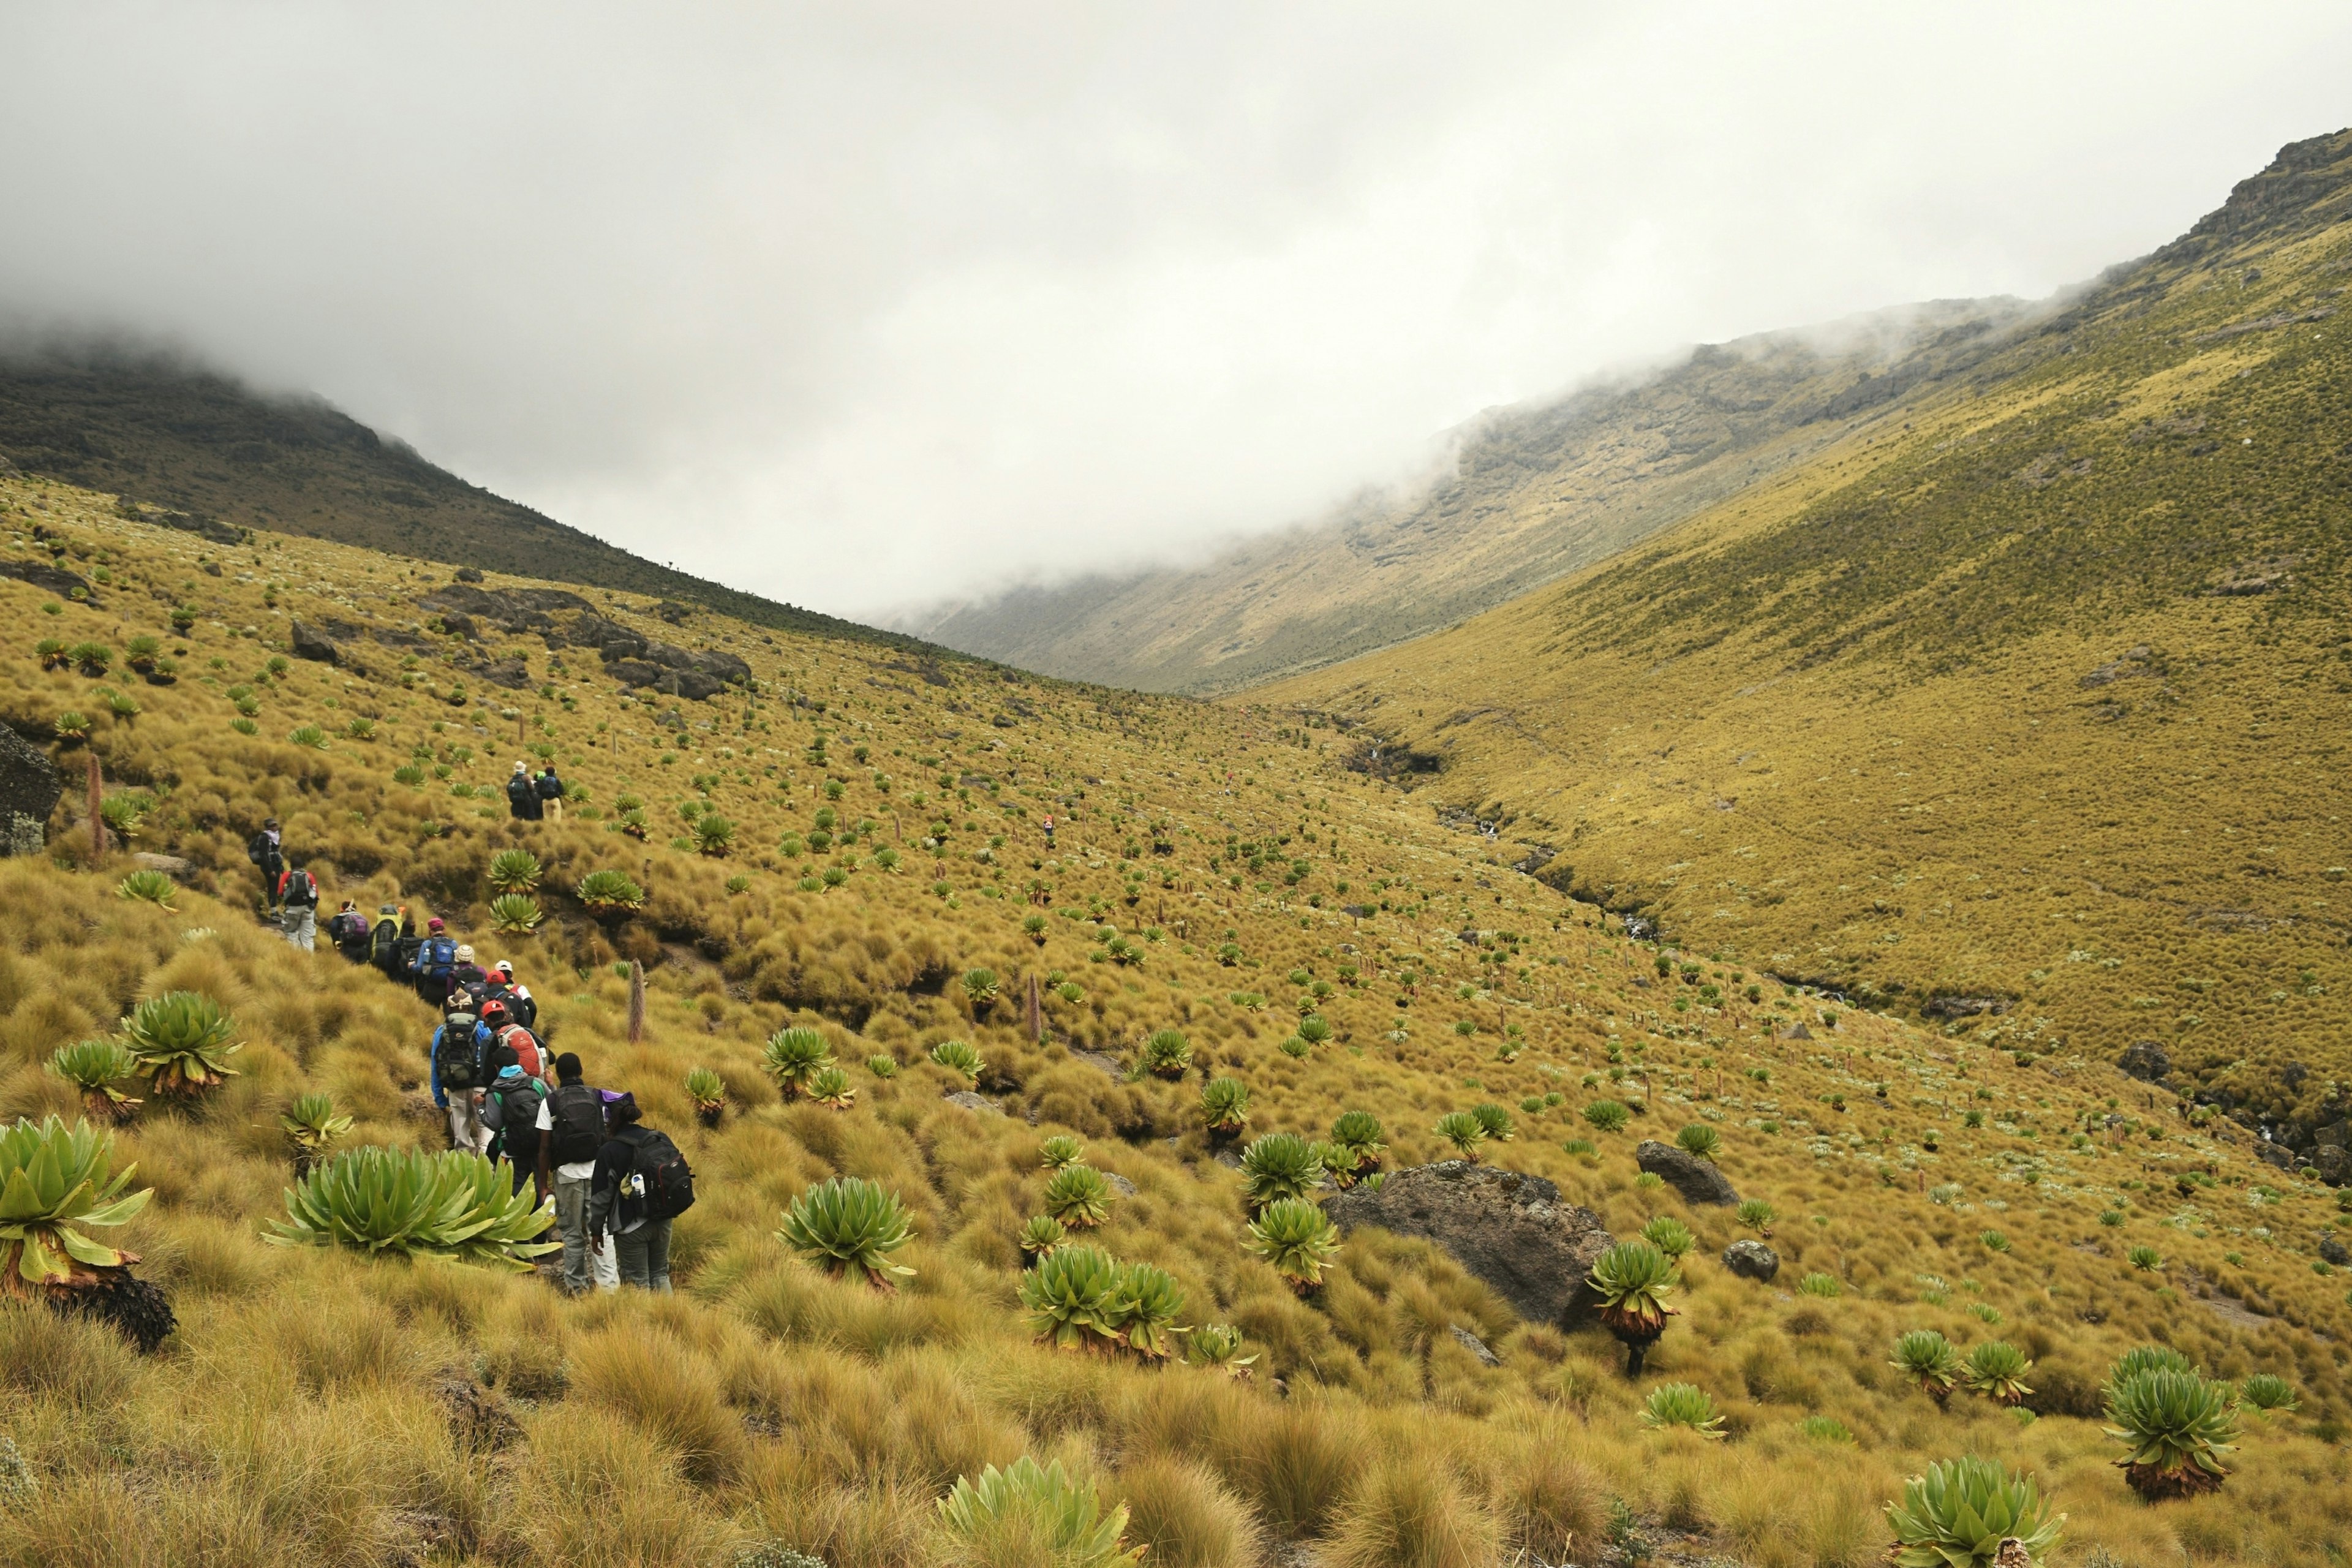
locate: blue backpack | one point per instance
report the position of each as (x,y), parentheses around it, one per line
(437,957)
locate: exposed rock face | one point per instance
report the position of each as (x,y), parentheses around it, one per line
(55,579)
(310,643)
(971,1102)
(1510,1230)
(29,792)
(2146,1060)
(2334,1252)
(1699,1181)
(1751,1260)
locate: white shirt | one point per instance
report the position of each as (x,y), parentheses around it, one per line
(579,1170)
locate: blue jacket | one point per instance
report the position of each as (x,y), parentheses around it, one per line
(432,1062)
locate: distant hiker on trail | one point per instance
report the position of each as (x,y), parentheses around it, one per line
(384,944)
(265,851)
(409,946)
(642,1182)
(466,984)
(511,1110)
(1049,832)
(298,899)
(550,794)
(436,955)
(458,1082)
(570,1136)
(521,1006)
(522,795)
(348,929)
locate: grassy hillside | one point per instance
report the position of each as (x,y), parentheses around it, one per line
(180,439)
(2017,710)
(322,1406)
(1528,494)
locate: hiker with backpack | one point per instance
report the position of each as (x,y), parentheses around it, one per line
(466,981)
(521,1004)
(511,1110)
(641,1184)
(550,790)
(570,1136)
(348,929)
(298,900)
(384,943)
(269,856)
(458,1082)
(436,956)
(523,795)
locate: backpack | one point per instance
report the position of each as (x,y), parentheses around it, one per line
(659,1177)
(453,1054)
(522,1048)
(514,1105)
(297,888)
(258,849)
(437,957)
(578,1113)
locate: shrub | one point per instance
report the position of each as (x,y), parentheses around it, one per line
(1297,1238)
(1994,1241)
(1700,1139)
(1225,1105)
(1360,1133)
(1682,1404)
(1495,1121)
(1957,1514)
(1078,1195)
(959,1057)
(1607,1115)
(1822,1284)
(609,893)
(1755,1214)
(1669,1236)
(515,914)
(182,1042)
(1167,1053)
(152,886)
(361,728)
(1072,1297)
(1463,1130)
(1928,1358)
(2144,1259)
(849,1223)
(1825,1429)
(454,1204)
(1219,1345)
(1997,1370)
(58,1183)
(794,1056)
(1277,1166)
(2174,1426)
(2268,1391)
(311,1123)
(713,834)
(1030,1515)
(95,1067)
(1059,1151)
(514,871)
(1632,1281)
(308,736)
(980,986)
(882,1067)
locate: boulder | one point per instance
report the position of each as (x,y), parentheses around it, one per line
(1474,1345)
(312,644)
(1510,1230)
(509,672)
(2334,1164)
(1751,1260)
(55,579)
(1699,1181)
(971,1102)
(2333,1251)
(29,792)
(170,864)
(2147,1061)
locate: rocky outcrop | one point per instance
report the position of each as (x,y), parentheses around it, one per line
(1699,1181)
(2147,1061)
(55,579)
(1751,1260)
(29,792)
(309,642)
(1510,1230)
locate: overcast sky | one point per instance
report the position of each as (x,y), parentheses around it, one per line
(864,305)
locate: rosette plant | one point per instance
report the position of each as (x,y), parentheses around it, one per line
(1361,1131)
(1224,1108)
(381,1202)
(849,1223)
(1028,1513)
(1078,1196)
(95,1067)
(2174,1426)
(1928,1359)
(794,1056)
(1167,1053)
(1630,1282)
(311,1123)
(57,1184)
(709,1092)
(182,1042)
(1279,1165)
(1970,1513)
(1297,1238)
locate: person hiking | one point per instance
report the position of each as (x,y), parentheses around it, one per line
(408,947)
(642,1182)
(523,795)
(436,956)
(550,794)
(458,1081)
(1049,832)
(520,1001)
(570,1136)
(348,929)
(266,852)
(384,944)
(511,1110)
(466,984)
(298,900)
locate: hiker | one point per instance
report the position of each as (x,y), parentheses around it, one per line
(570,1136)
(520,1001)
(550,793)
(1049,832)
(407,948)
(500,1041)
(436,956)
(384,944)
(522,795)
(348,929)
(266,852)
(457,1083)
(511,1110)
(465,982)
(642,1182)
(298,900)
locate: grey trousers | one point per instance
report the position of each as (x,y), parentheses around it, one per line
(299,922)
(583,1268)
(645,1256)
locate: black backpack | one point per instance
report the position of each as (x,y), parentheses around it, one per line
(301,887)
(578,1113)
(660,1175)
(513,1106)
(453,1053)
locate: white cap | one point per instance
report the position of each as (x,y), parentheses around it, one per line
(465,953)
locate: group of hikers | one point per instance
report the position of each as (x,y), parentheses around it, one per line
(533,797)
(617,1184)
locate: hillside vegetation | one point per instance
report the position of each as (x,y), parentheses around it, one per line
(1212,874)
(2017,711)
(198,449)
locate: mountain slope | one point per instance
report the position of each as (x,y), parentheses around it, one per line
(2021,710)
(1529,493)
(161,432)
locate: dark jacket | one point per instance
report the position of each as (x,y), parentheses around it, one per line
(299,888)
(464,986)
(550,787)
(522,797)
(265,852)
(350,929)
(611,1205)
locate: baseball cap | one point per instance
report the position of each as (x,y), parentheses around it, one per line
(432,924)
(504,966)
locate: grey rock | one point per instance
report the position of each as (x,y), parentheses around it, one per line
(1798,1032)
(29,788)
(55,579)
(2333,1251)
(509,672)
(971,1102)
(1699,1181)
(1119,1183)
(310,643)
(2147,1061)
(469,574)
(1751,1260)
(1474,1345)
(2333,1163)
(170,864)
(1510,1230)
